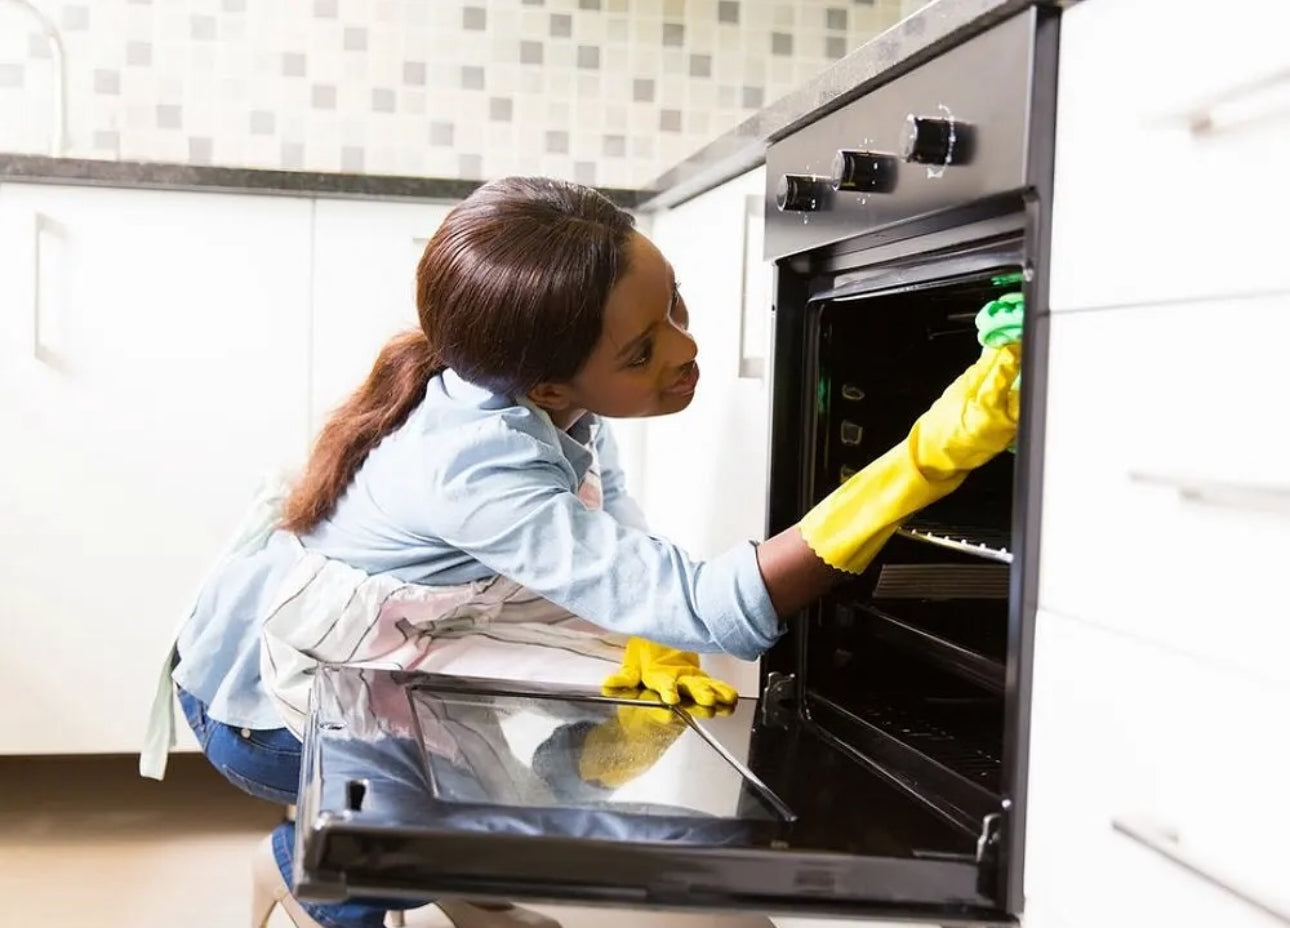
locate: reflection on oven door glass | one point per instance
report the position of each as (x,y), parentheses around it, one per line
(552,752)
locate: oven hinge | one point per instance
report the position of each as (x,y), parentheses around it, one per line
(778,699)
(988,849)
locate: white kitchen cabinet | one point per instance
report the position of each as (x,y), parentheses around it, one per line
(1155,780)
(1171,152)
(365,255)
(154,355)
(705,469)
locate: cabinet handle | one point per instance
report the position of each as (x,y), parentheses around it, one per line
(1167,845)
(1253,102)
(750,367)
(1218,493)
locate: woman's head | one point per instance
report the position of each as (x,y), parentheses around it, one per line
(543,289)
(531,288)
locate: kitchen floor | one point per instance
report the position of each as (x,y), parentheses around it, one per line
(84,841)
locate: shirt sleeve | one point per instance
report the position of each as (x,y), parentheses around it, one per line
(506,498)
(613,482)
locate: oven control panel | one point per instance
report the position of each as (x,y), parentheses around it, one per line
(947,133)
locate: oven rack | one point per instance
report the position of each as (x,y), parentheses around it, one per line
(991,544)
(937,649)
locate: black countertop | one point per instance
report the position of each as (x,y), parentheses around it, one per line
(905,45)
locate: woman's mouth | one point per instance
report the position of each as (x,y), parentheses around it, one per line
(688,380)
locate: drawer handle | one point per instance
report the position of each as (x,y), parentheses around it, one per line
(1253,102)
(1218,493)
(1167,845)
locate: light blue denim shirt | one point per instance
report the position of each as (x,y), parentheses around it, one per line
(471,486)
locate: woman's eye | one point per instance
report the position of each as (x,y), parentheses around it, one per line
(643,356)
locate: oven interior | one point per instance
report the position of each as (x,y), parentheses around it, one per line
(905,665)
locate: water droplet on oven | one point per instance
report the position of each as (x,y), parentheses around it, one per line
(851,433)
(852,393)
(846,473)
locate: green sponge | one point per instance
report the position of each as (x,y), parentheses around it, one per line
(999,323)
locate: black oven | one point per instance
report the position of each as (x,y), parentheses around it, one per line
(881,772)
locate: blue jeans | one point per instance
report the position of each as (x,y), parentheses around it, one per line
(266,764)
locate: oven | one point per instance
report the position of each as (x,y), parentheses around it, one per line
(880,772)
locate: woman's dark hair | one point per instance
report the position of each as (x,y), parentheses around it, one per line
(511,291)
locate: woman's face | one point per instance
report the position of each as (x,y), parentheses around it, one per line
(644,363)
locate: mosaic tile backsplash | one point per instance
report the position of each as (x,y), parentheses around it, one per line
(611,92)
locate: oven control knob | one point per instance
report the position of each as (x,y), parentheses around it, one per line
(928,140)
(864,172)
(799,193)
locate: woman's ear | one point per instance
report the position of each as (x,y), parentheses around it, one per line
(553,397)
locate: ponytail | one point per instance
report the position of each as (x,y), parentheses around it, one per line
(395,385)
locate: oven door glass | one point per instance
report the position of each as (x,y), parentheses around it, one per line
(422,787)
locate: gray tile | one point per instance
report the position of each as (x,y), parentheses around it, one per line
(835,46)
(531,52)
(669,120)
(643,89)
(355,39)
(673,34)
(293,64)
(138,53)
(351,158)
(753,98)
(263,122)
(441,133)
(471,167)
(203,28)
(588,4)
(835,18)
(293,155)
(107,81)
(233,6)
(200,150)
(107,140)
(323,96)
(781,43)
(615,146)
(325,9)
(170,116)
(37,45)
(561,25)
(589,57)
(728,11)
(76,18)
(472,77)
(500,109)
(414,73)
(584,172)
(700,65)
(474,18)
(557,142)
(534,2)
(383,100)
(862,2)
(11,74)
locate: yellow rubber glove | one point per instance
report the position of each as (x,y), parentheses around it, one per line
(632,740)
(670,673)
(972,421)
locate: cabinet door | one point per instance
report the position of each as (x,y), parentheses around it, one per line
(704,469)
(364,288)
(153,365)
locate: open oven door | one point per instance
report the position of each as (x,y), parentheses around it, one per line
(422,786)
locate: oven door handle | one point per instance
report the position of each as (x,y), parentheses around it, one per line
(1166,843)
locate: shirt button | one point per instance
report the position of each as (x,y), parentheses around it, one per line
(246,732)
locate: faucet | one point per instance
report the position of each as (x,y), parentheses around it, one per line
(51,34)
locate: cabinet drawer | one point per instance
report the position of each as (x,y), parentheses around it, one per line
(1146,206)
(1192,759)
(1166,504)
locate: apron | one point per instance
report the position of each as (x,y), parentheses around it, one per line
(325,611)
